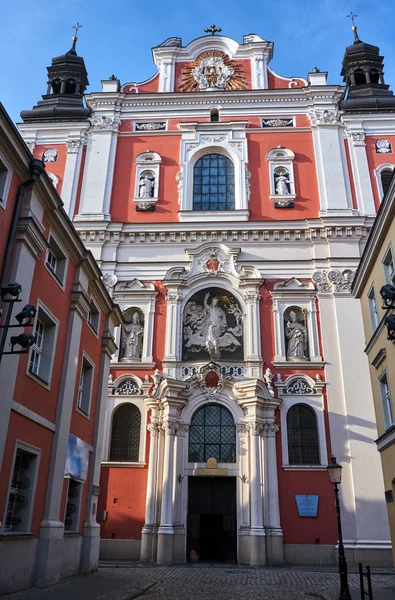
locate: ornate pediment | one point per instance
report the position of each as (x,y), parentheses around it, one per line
(213,70)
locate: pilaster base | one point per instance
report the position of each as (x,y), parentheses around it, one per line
(90,548)
(49,553)
(275,548)
(147,545)
(179,546)
(257,549)
(165,548)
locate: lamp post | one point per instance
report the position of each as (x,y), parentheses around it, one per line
(335,476)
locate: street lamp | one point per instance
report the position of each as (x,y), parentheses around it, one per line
(335,476)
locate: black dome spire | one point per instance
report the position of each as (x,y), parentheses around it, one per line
(67,82)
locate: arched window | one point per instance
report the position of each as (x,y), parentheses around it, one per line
(374,76)
(214,115)
(212,434)
(213,183)
(56,86)
(125,434)
(302,432)
(359,77)
(386,176)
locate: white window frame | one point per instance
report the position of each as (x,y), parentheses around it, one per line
(316,402)
(377,172)
(4,193)
(76,518)
(94,323)
(19,445)
(386,400)
(42,310)
(389,257)
(54,179)
(89,365)
(373,308)
(59,273)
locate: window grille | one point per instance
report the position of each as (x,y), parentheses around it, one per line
(125,434)
(213,183)
(212,434)
(303,447)
(19,497)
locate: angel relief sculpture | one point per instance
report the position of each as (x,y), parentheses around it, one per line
(213,327)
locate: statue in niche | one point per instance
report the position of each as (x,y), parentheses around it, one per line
(146,185)
(132,338)
(296,334)
(207,326)
(281,180)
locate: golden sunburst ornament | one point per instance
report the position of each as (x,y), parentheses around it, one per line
(213,70)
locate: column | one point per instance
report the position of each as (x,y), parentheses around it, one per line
(173,326)
(253,339)
(166,530)
(274,532)
(147,534)
(91,539)
(71,175)
(99,169)
(333,186)
(180,498)
(257,532)
(50,543)
(361,173)
(244,494)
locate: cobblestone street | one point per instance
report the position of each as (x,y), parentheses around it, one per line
(206,582)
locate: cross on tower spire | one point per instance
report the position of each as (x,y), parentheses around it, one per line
(354,27)
(75,38)
(213,29)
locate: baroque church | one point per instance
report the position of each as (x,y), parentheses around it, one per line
(227,207)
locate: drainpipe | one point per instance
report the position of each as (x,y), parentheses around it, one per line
(36,168)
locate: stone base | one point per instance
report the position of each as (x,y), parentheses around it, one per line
(90,548)
(257,550)
(274,550)
(49,564)
(17,563)
(120,549)
(309,554)
(369,555)
(165,549)
(179,552)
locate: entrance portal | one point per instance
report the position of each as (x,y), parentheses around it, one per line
(212,518)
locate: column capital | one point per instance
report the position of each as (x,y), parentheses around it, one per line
(154,429)
(270,429)
(255,427)
(242,429)
(170,427)
(182,430)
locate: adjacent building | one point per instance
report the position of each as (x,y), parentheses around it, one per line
(374,286)
(54,395)
(228,207)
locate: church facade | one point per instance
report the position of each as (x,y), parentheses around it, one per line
(228,207)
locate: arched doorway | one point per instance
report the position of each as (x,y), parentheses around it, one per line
(211,523)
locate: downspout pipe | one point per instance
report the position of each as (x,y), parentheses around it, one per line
(36,168)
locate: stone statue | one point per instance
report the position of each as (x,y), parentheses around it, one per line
(282,184)
(133,336)
(206,327)
(146,186)
(296,334)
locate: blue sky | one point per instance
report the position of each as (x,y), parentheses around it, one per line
(117,36)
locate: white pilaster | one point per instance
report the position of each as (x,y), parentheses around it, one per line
(166,530)
(361,174)
(71,175)
(273,525)
(99,169)
(146,554)
(255,479)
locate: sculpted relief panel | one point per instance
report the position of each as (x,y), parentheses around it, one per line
(212,70)
(213,327)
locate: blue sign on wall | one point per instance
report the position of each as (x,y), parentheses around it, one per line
(307,505)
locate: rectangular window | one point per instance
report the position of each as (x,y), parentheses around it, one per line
(386,401)
(56,260)
(374,313)
(85,386)
(389,267)
(43,349)
(73,504)
(5,180)
(22,491)
(94,317)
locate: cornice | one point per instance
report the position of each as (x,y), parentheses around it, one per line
(79,301)
(30,233)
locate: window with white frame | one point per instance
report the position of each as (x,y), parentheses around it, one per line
(384,175)
(373,309)
(22,490)
(93,316)
(389,266)
(43,349)
(56,260)
(73,505)
(85,385)
(213,183)
(386,401)
(125,434)
(302,432)
(5,180)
